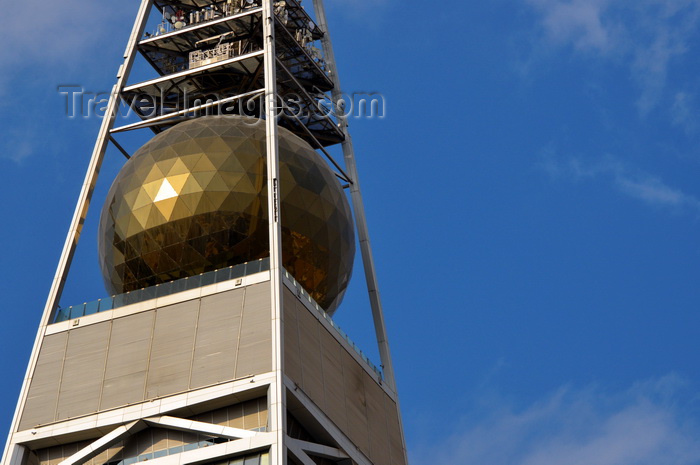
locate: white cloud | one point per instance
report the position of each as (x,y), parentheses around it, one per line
(18,152)
(683,112)
(654,191)
(42,43)
(644,35)
(17,145)
(578,22)
(627,179)
(641,426)
(42,33)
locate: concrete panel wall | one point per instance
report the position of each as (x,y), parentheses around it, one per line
(395,441)
(355,403)
(331,377)
(127,362)
(334,383)
(255,339)
(43,392)
(152,354)
(377,422)
(310,350)
(215,351)
(83,371)
(172,349)
(249,415)
(292,357)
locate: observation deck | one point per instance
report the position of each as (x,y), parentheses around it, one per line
(212,282)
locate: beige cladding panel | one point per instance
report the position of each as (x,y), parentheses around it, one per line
(311,360)
(355,402)
(250,415)
(151,354)
(83,371)
(160,438)
(333,381)
(42,399)
(127,360)
(255,342)
(172,349)
(102,458)
(264,415)
(336,382)
(292,359)
(252,418)
(377,423)
(55,455)
(31,459)
(235,416)
(175,438)
(217,337)
(398,456)
(218,417)
(145,441)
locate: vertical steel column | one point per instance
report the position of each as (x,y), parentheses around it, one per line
(79,216)
(360,219)
(358,206)
(277,401)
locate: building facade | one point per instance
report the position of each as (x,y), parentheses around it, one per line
(213,348)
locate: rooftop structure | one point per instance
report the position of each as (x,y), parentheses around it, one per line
(226,243)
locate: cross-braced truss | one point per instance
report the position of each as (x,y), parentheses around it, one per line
(216,67)
(216,57)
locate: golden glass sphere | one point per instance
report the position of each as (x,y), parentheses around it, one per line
(194,199)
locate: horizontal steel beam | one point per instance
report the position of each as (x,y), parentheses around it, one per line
(149,122)
(191,72)
(168,35)
(211,429)
(319,450)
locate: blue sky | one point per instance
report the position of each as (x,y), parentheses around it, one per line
(532,197)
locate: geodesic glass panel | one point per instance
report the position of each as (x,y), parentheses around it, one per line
(194,199)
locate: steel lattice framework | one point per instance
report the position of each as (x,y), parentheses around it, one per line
(255,58)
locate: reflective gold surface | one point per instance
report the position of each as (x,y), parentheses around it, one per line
(194,199)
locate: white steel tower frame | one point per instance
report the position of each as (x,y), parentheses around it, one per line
(276,438)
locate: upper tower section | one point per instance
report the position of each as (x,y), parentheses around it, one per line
(181,207)
(194,200)
(241,101)
(209,58)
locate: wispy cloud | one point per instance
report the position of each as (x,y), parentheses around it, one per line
(579,22)
(626,179)
(17,145)
(644,425)
(645,35)
(683,112)
(41,34)
(42,44)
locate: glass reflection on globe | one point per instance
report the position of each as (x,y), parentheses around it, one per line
(194,199)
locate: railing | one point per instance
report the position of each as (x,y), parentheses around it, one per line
(219,53)
(156,454)
(162,290)
(194,282)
